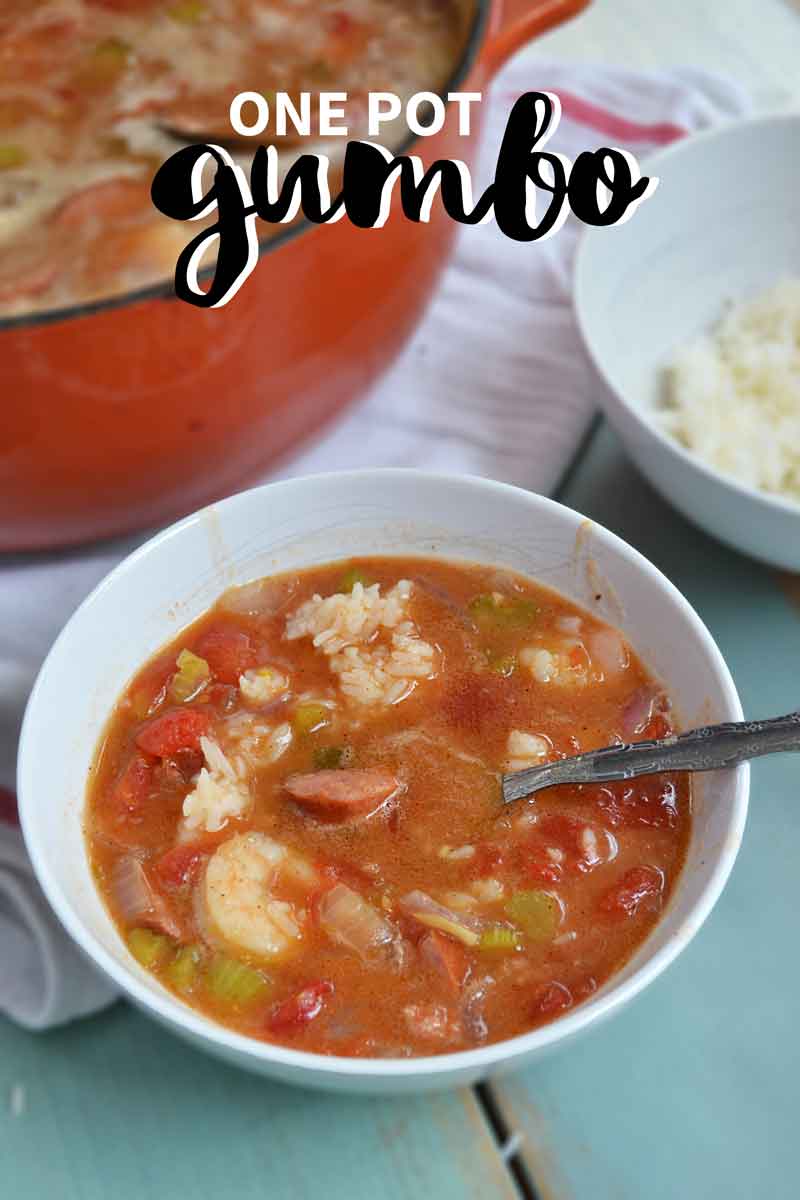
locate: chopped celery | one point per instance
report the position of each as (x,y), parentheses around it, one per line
(309,717)
(233,982)
(482,607)
(148,948)
(182,971)
(537,913)
(12,156)
(501,664)
(329,758)
(519,612)
(186,12)
(494,609)
(350,578)
(499,937)
(193,673)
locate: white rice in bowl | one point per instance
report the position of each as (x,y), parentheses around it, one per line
(371,644)
(732,397)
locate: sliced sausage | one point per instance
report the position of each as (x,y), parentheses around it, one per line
(344,793)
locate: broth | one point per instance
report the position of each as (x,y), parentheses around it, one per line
(295,814)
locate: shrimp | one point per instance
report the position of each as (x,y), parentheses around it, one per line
(237,900)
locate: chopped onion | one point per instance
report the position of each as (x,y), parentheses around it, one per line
(609,651)
(638,711)
(138,901)
(261,598)
(462,901)
(460,925)
(349,919)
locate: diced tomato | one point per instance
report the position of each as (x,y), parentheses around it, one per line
(446,957)
(132,811)
(552,998)
(181,864)
(567,833)
(300,1009)
(657,727)
(340,22)
(228,651)
(637,885)
(178,729)
(132,787)
(651,800)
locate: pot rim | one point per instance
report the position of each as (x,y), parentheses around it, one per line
(163,290)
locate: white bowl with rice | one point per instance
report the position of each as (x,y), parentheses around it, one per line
(691,313)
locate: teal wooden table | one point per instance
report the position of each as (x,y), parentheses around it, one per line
(691,1093)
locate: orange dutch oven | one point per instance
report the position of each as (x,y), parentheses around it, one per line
(134,410)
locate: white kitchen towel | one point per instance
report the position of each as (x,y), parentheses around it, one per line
(494,382)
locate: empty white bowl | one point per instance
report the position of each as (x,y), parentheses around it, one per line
(722,225)
(173,578)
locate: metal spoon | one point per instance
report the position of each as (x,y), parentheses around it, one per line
(706,749)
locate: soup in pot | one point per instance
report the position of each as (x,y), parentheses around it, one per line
(96,94)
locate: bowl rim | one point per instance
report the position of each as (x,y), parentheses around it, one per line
(163,289)
(224,1041)
(586,241)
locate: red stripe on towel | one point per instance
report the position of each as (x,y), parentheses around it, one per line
(575,108)
(8,806)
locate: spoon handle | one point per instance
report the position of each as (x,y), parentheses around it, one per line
(705,749)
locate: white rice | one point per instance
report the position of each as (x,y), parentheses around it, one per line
(260,685)
(733,396)
(349,619)
(526,750)
(371,644)
(220,791)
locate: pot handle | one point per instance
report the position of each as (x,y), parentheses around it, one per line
(516,22)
